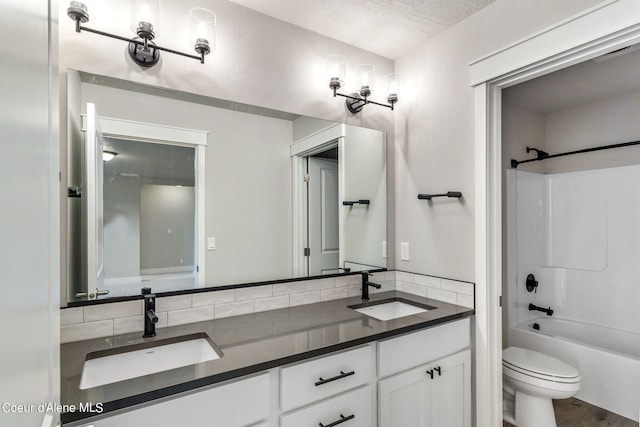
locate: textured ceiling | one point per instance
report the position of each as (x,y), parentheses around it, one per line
(386,27)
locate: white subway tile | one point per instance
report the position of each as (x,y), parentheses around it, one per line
(345,281)
(93,313)
(234,309)
(126,325)
(412,288)
(178,302)
(465,300)
(441,295)
(430,281)
(304,298)
(355,291)
(273,303)
(457,287)
(403,276)
(213,298)
(86,331)
(319,284)
(389,275)
(189,315)
(70,316)
(335,293)
(289,288)
(254,292)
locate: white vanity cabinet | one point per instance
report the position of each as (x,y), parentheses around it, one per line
(431,390)
(234,404)
(433,395)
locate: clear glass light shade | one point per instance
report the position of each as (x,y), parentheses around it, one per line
(202,28)
(365,79)
(335,71)
(392,85)
(145,11)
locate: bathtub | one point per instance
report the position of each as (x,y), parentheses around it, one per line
(608,359)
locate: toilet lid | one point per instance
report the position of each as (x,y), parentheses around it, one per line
(537,363)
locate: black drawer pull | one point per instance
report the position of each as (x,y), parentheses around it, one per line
(337,377)
(340,421)
(431,372)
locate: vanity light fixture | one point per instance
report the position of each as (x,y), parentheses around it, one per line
(357,100)
(142,49)
(108,155)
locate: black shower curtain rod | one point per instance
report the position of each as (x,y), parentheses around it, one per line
(542,155)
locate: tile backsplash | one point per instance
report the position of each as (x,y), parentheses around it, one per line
(101,320)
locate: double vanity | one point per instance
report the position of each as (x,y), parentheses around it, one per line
(397,358)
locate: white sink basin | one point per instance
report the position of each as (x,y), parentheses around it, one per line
(391,309)
(118,364)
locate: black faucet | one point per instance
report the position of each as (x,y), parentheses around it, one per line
(544,310)
(150,318)
(366,283)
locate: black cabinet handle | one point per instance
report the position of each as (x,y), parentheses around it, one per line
(337,377)
(356,202)
(431,372)
(340,421)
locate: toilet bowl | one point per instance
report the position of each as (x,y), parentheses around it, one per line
(530,381)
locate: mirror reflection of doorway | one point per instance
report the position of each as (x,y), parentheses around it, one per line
(323,213)
(149,217)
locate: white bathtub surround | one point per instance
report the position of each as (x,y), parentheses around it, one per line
(95,321)
(578,233)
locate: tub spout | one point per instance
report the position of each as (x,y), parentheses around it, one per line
(544,310)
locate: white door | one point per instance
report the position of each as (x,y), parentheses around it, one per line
(92,195)
(323,238)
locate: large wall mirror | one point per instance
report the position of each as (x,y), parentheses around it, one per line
(205,192)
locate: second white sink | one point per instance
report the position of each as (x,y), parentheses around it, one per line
(120,364)
(391,309)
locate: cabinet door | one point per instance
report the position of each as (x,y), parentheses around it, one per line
(451,391)
(437,394)
(404,398)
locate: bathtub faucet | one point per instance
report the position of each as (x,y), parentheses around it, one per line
(544,310)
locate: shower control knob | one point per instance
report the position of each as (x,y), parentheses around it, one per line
(531,283)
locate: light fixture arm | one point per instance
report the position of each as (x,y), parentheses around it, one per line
(78,12)
(355,102)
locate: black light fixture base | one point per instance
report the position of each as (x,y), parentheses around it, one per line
(355,103)
(145,57)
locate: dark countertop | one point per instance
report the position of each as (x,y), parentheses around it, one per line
(249,343)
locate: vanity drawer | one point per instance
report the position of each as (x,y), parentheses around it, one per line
(416,348)
(355,407)
(321,378)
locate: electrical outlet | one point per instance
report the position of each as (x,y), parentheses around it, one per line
(404,251)
(384,249)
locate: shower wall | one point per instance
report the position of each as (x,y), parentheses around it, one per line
(579,234)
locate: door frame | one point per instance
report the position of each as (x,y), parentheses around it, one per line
(168,135)
(595,31)
(315,143)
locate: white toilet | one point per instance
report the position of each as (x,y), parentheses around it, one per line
(529,381)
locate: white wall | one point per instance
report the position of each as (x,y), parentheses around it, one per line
(603,122)
(167,215)
(29,217)
(434,149)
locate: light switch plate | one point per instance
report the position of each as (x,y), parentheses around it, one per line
(211,243)
(404,251)
(384,249)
